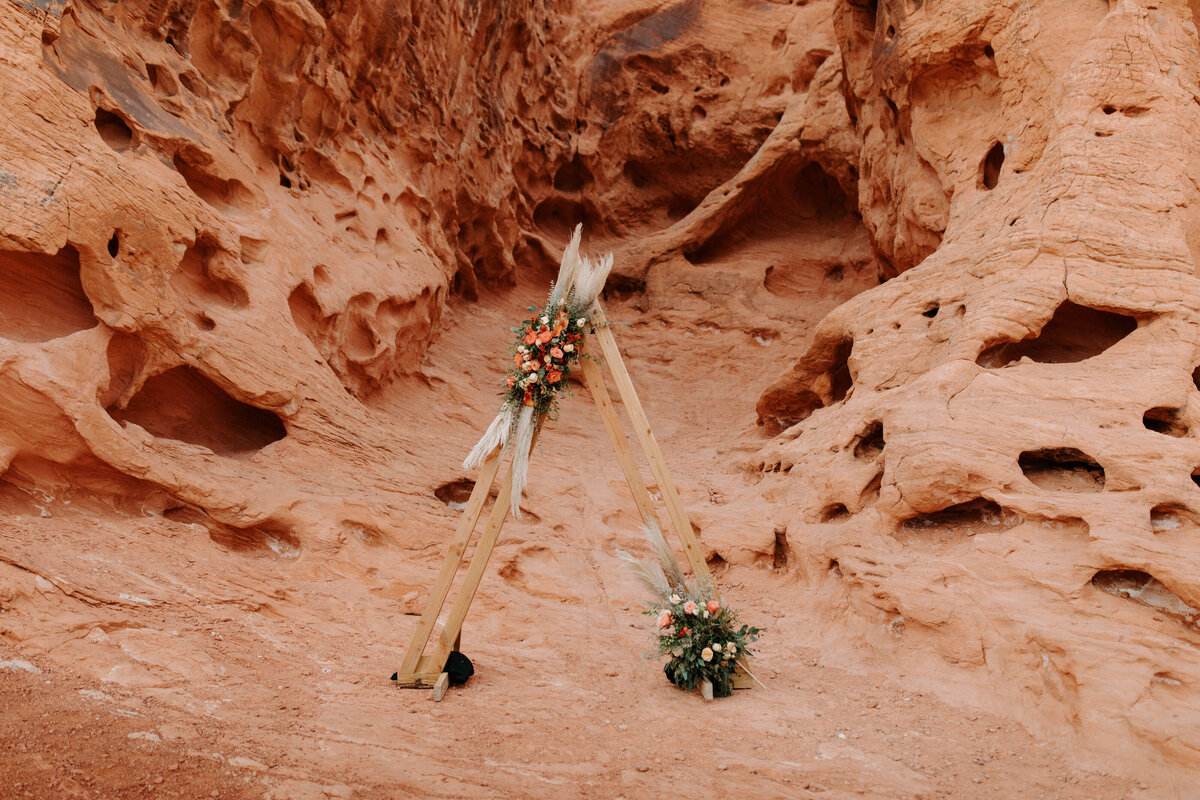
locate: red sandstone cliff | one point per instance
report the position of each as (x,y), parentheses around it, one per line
(256,259)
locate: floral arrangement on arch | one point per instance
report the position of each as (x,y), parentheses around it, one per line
(546,347)
(701,636)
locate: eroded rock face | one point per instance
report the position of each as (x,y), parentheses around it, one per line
(999,441)
(224,224)
(229,229)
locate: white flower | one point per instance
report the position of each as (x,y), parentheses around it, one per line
(717,647)
(581,322)
(706,654)
(706,613)
(545,320)
(562,302)
(521,349)
(675,599)
(677,651)
(731,649)
(568,347)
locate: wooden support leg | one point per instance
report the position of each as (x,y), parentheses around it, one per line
(458,545)
(593,379)
(483,551)
(440,686)
(641,428)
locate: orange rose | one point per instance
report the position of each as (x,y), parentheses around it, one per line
(530,337)
(553,376)
(510,381)
(712,606)
(529,397)
(518,358)
(544,337)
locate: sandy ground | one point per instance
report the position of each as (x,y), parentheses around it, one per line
(275,684)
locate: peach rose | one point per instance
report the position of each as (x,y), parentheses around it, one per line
(690,607)
(556,352)
(712,606)
(664,619)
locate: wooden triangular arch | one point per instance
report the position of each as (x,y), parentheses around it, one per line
(420,670)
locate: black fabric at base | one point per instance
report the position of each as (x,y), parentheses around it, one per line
(458,668)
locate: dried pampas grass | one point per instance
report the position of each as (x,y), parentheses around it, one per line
(580,281)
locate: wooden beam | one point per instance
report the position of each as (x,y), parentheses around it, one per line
(439,687)
(593,379)
(458,545)
(641,428)
(483,551)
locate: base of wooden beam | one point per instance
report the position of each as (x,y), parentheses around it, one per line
(418,680)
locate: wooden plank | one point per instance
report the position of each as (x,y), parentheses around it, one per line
(641,428)
(440,686)
(417,680)
(593,379)
(458,545)
(483,551)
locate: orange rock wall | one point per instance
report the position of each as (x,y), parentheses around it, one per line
(228,228)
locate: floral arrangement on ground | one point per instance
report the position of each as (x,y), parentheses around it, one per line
(701,635)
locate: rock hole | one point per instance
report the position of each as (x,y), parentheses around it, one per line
(992,163)
(1075,333)
(572,176)
(115,132)
(381,237)
(891,31)
(1144,588)
(1109,110)
(698,113)
(834,567)
(959,521)
(558,216)
(367,534)
(185,405)
(870,493)
(835,512)
(161,80)
(114,244)
(659,88)
(840,381)
(779,556)
(306,313)
(1167,421)
(267,537)
(221,194)
(195,284)
(455,494)
(285,181)
(1169,516)
(931,312)
(779,40)
(869,443)
(988,51)
(42,297)
(1062,469)
(835,274)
